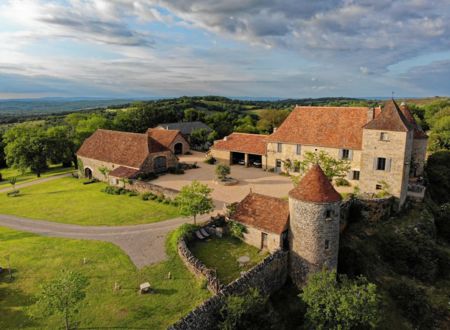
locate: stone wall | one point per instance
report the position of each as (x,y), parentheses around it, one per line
(180,139)
(253,236)
(143,187)
(370,210)
(198,268)
(268,276)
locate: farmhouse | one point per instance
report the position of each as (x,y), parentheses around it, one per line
(112,155)
(382,145)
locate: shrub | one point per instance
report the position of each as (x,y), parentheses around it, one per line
(437,172)
(176,170)
(115,190)
(341,182)
(236,229)
(146,196)
(385,190)
(210,160)
(133,193)
(442,217)
(222,171)
(147,176)
(413,303)
(1,177)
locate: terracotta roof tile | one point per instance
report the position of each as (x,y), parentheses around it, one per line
(335,127)
(121,148)
(163,136)
(390,119)
(315,187)
(418,131)
(243,142)
(266,213)
(124,172)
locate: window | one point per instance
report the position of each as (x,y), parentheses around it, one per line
(327,244)
(328,214)
(298,149)
(378,187)
(355,175)
(345,154)
(384,136)
(279,147)
(381,164)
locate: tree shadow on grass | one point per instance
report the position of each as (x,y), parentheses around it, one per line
(11,316)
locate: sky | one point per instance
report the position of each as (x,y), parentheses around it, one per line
(235,48)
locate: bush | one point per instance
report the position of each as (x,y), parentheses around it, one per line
(133,193)
(341,182)
(210,160)
(1,177)
(236,229)
(176,170)
(147,196)
(413,303)
(437,172)
(222,171)
(147,176)
(115,190)
(442,217)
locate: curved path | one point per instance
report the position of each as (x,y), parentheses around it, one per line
(36,181)
(144,244)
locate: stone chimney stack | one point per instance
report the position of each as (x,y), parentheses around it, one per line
(370,114)
(275,129)
(225,138)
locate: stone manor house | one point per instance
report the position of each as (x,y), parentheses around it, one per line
(381,144)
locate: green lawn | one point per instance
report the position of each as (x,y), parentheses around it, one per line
(36,260)
(222,254)
(67,200)
(8,173)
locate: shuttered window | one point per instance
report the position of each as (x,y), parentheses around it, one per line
(346,154)
(298,149)
(382,164)
(279,147)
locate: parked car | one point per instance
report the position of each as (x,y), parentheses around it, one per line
(257,164)
(241,162)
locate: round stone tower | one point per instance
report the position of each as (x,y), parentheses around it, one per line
(314,207)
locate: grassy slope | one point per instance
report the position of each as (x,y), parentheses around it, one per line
(8,173)
(67,200)
(222,254)
(37,259)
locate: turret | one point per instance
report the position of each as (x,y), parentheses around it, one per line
(314,207)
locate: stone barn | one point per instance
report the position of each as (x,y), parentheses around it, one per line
(112,155)
(171,139)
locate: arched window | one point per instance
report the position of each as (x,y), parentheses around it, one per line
(178,148)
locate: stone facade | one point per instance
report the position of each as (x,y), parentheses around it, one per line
(253,236)
(148,165)
(268,276)
(182,140)
(94,165)
(419,152)
(396,150)
(313,238)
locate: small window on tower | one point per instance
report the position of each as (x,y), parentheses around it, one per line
(327,244)
(328,214)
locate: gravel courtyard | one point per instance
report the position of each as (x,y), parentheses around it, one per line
(249,178)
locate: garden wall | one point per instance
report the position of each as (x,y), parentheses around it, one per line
(143,187)
(370,210)
(268,277)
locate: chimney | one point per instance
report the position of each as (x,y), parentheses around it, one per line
(370,114)
(275,129)
(403,106)
(225,138)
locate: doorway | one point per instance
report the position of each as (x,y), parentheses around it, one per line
(88,173)
(178,148)
(264,241)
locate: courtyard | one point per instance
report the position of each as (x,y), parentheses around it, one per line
(250,178)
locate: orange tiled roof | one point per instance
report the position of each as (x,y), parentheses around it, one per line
(390,119)
(243,142)
(334,127)
(124,172)
(121,148)
(267,213)
(163,136)
(315,187)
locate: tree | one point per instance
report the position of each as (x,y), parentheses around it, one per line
(437,172)
(195,199)
(2,151)
(27,147)
(61,146)
(332,167)
(199,136)
(222,171)
(342,303)
(63,295)
(270,119)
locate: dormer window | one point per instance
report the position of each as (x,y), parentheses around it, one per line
(384,136)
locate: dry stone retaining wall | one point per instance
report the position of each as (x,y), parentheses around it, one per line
(143,187)
(268,277)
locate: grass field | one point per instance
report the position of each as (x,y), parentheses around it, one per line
(8,173)
(67,200)
(222,254)
(36,260)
